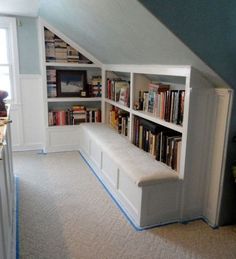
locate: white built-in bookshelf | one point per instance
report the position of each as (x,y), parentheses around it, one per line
(155,109)
(72,86)
(169,112)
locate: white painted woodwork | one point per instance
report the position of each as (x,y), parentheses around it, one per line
(214,181)
(117,105)
(96,153)
(151,117)
(17,126)
(140,76)
(69,65)
(192,196)
(7,194)
(27,115)
(129,191)
(72,99)
(109,169)
(146,205)
(63,138)
(32,107)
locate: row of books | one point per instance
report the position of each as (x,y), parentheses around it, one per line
(163,103)
(59,51)
(118,91)
(162,143)
(119,120)
(73,116)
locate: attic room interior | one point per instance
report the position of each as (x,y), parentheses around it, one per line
(118,131)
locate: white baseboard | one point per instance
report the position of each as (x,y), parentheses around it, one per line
(28,147)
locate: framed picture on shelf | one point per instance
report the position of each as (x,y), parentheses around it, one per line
(70,83)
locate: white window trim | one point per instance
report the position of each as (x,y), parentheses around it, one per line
(10,23)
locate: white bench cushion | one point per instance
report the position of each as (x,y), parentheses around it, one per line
(139,165)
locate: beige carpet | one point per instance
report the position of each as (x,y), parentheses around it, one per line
(65,213)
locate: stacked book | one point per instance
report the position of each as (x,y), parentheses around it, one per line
(95,88)
(162,143)
(72,55)
(50,51)
(78,114)
(118,91)
(51,83)
(58,50)
(119,120)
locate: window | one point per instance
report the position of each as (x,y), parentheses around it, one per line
(8,57)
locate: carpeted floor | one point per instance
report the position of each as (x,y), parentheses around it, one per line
(64,213)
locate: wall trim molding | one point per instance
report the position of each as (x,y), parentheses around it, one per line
(19,148)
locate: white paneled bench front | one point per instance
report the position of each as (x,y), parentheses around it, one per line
(147,190)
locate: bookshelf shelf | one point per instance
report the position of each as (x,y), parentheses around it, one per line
(74,99)
(118,105)
(157,109)
(70,65)
(62,127)
(150,117)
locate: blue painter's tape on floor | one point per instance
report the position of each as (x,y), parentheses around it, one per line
(137,228)
(17,218)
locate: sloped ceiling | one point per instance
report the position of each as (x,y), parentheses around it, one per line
(207,27)
(120,32)
(19,7)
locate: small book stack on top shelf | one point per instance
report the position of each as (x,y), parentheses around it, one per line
(59,51)
(162,102)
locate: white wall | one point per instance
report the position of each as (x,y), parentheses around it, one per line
(27,115)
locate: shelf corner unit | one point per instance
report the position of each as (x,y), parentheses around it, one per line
(180,81)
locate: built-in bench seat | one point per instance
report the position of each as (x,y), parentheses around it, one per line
(146,189)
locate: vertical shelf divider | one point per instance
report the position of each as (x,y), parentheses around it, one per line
(131,106)
(103,107)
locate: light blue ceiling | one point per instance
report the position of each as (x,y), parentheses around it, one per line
(120,32)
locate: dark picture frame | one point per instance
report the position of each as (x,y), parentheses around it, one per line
(70,83)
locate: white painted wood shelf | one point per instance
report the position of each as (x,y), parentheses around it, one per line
(74,99)
(118,105)
(70,65)
(149,116)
